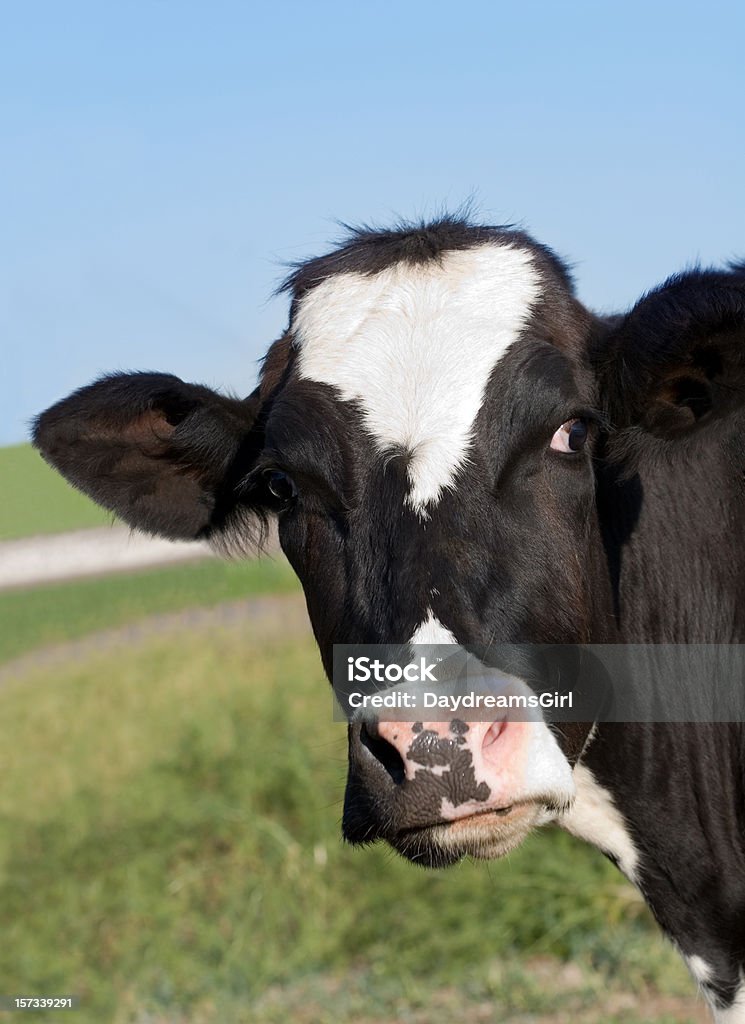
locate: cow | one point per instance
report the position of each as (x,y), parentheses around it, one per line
(456,450)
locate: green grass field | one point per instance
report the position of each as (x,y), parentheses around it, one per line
(63,611)
(35,499)
(169,850)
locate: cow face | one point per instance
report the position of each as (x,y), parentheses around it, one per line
(427,434)
(438,493)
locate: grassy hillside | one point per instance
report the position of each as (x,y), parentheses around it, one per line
(169,851)
(35,499)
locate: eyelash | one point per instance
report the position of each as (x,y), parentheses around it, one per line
(592,416)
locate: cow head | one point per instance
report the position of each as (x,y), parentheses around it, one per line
(430,435)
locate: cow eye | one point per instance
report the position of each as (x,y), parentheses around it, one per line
(280,486)
(570,437)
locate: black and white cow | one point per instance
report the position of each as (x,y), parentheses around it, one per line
(457,450)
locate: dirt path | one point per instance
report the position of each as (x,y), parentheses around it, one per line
(270,614)
(63,556)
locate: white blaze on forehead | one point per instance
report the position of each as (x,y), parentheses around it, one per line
(415,346)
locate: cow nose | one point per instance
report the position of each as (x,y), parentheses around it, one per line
(409,775)
(467,762)
(439,745)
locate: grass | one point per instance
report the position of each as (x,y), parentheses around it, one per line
(37,500)
(169,851)
(62,611)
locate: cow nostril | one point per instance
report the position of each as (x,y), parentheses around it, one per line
(383,752)
(370,726)
(493,733)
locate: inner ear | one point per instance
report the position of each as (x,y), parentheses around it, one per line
(174,409)
(148,433)
(692,393)
(682,400)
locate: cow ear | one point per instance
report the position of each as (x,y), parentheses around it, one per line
(164,456)
(677,360)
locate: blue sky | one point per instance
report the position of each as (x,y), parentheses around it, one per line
(162,159)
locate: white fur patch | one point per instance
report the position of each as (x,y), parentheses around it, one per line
(699,968)
(547,771)
(415,345)
(432,631)
(733,1014)
(703,974)
(596,819)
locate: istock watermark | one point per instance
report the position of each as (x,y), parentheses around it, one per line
(438,682)
(428,700)
(552,682)
(364,670)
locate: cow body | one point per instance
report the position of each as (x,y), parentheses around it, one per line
(457,451)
